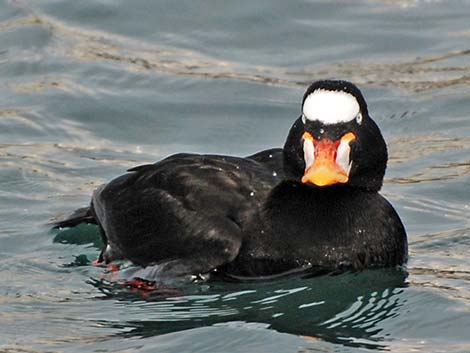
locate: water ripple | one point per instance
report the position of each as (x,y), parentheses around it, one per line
(80,44)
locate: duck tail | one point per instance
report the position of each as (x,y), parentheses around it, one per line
(82,215)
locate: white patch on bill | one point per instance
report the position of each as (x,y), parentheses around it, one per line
(309,153)
(342,156)
(330,107)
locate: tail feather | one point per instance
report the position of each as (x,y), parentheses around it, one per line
(82,215)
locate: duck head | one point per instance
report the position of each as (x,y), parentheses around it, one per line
(335,141)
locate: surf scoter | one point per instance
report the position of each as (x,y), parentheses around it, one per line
(312,204)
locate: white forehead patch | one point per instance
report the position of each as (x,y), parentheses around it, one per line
(330,107)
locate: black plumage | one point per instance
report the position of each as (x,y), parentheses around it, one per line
(254,216)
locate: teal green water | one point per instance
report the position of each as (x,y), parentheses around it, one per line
(91,88)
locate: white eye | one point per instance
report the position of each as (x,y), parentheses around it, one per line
(342,156)
(304,118)
(309,153)
(359,118)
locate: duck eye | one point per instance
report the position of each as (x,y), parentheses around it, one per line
(359,118)
(304,118)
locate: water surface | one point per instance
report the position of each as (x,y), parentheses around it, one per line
(91,88)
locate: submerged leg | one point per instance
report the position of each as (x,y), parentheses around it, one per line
(181,269)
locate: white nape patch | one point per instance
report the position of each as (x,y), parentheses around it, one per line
(342,156)
(330,107)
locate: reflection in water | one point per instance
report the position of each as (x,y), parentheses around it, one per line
(346,309)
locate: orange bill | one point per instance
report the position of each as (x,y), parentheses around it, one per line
(325,170)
